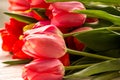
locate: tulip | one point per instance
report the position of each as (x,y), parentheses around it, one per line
(73,42)
(78,44)
(8,40)
(39,28)
(41,23)
(44,42)
(61,16)
(17,51)
(65,60)
(43,69)
(19,5)
(23,5)
(15,27)
(38,3)
(44,45)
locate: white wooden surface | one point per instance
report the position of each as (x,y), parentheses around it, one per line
(9,72)
(3,8)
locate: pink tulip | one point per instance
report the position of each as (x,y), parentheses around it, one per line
(38,4)
(42,27)
(73,42)
(43,69)
(82,29)
(61,16)
(19,5)
(41,23)
(44,42)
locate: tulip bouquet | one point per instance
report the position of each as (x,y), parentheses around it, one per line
(64,39)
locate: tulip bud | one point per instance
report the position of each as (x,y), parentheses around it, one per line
(44,42)
(19,5)
(38,3)
(43,69)
(41,23)
(61,15)
(38,29)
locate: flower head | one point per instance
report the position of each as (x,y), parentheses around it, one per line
(44,42)
(43,69)
(61,16)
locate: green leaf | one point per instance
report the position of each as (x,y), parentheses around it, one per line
(107,76)
(17,62)
(84,1)
(77,67)
(100,14)
(111,53)
(81,53)
(86,60)
(106,66)
(100,39)
(40,12)
(21,18)
(108,8)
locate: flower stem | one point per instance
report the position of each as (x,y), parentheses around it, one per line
(74,52)
(68,34)
(77,66)
(81,32)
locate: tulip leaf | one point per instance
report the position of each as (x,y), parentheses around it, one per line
(21,18)
(103,7)
(16,62)
(107,76)
(106,66)
(100,39)
(100,14)
(84,1)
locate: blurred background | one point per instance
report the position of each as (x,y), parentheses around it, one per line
(3,8)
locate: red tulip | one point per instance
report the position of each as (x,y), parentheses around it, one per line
(61,16)
(73,42)
(43,69)
(15,27)
(92,20)
(79,45)
(8,40)
(17,51)
(44,42)
(19,5)
(65,60)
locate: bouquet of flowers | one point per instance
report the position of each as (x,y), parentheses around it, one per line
(64,39)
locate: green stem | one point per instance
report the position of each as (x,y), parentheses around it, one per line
(77,67)
(104,1)
(81,32)
(68,34)
(74,52)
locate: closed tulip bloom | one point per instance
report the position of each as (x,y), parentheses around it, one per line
(19,5)
(38,3)
(44,45)
(43,69)
(61,14)
(38,29)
